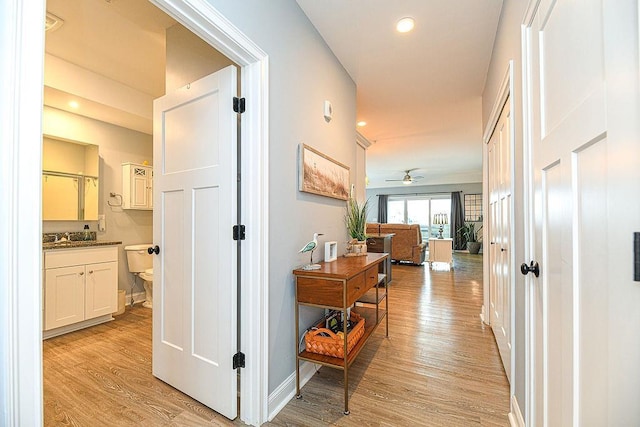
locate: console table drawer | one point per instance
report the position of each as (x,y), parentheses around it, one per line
(312,290)
(356,287)
(371,276)
(327,292)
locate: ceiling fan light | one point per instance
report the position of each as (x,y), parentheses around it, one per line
(407,181)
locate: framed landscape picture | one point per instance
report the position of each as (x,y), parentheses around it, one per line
(320,174)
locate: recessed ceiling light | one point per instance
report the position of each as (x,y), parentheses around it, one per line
(361,123)
(73,104)
(405,25)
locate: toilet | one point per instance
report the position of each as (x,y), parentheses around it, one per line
(141,264)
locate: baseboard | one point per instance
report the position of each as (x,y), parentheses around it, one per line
(515,416)
(76,326)
(483,317)
(137,297)
(287,390)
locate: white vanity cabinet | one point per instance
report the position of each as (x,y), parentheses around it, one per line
(137,186)
(80,288)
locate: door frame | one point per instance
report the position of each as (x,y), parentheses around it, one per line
(22,60)
(505,93)
(528,201)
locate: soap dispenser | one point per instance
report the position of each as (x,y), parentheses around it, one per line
(87,233)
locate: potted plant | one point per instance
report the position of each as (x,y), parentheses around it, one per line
(356,222)
(470,234)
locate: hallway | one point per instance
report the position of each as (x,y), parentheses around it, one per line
(439,367)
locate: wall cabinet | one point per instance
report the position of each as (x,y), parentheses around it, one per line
(80,288)
(137,186)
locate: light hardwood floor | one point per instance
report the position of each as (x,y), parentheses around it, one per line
(439,367)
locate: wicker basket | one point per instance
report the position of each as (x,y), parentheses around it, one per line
(333,345)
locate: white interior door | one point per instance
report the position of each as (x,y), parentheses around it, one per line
(194,308)
(574,173)
(501,275)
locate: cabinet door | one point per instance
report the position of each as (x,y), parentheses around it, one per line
(139,187)
(150,188)
(63,296)
(101,289)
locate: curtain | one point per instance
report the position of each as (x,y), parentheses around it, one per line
(382,208)
(457,220)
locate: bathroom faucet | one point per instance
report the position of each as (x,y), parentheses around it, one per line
(58,238)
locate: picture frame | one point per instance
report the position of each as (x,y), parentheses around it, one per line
(330,251)
(320,174)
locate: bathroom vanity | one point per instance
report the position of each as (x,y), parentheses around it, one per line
(80,285)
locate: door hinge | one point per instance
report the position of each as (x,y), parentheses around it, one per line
(238,232)
(238,360)
(238,105)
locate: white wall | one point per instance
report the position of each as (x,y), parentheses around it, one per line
(506,48)
(116,146)
(303,73)
(189,58)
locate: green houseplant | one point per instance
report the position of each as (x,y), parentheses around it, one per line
(470,235)
(356,219)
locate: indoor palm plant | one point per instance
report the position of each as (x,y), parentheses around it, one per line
(470,235)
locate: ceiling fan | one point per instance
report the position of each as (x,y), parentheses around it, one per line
(408,179)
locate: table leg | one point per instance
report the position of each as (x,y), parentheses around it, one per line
(346,356)
(298,395)
(346,389)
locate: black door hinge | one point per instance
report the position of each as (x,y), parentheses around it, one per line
(238,232)
(238,360)
(238,105)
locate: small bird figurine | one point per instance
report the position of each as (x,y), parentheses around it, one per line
(311,246)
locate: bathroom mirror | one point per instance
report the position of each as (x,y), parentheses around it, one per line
(69,180)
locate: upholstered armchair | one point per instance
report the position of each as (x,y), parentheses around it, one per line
(406,245)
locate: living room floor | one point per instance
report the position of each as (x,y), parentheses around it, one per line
(439,367)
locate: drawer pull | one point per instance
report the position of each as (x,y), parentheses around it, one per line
(82,273)
(90,271)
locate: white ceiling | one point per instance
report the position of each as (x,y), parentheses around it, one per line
(115,52)
(419,92)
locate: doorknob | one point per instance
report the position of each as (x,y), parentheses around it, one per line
(155,249)
(534,268)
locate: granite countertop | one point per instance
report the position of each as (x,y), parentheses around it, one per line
(78,244)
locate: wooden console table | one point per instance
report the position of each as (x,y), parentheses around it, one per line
(338,285)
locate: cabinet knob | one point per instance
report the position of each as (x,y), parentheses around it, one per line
(81,273)
(90,271)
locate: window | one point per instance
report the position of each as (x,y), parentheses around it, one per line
(420,210)
(473,207)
